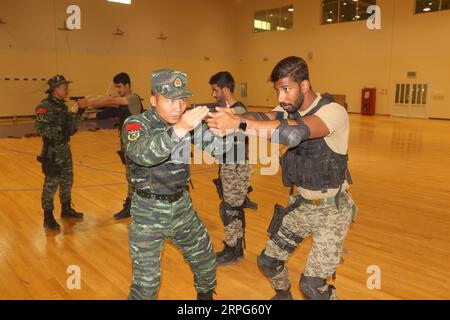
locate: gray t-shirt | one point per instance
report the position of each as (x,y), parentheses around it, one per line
(134,104)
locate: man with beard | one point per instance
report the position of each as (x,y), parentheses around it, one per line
(316,131)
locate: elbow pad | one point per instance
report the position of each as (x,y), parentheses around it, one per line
(291,136)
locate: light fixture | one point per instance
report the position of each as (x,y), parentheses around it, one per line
(121,1)
(162,36)
(118,32)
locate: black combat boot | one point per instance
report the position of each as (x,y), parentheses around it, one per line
(283,295)
(50,222)
(68,212)
(205,296)
(125,212)
(227,255)
(239,251)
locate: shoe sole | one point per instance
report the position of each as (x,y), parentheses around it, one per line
(228,263)
(52,229)
(70,217)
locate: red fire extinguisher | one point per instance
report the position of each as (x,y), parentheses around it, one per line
(368,101)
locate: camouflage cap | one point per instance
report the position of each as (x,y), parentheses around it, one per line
(56,81)
(171,84)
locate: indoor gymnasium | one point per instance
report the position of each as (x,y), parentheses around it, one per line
(118,118)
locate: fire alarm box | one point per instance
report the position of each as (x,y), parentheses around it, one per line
(368,101)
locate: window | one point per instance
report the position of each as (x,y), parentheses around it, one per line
(445,5)
(425,6)
(414,93)
(278,19)
(336,11)
(330,11)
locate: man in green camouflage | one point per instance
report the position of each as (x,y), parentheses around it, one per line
(56,124)
(234,176)
(158,144)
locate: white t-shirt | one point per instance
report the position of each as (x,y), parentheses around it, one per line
(336,119)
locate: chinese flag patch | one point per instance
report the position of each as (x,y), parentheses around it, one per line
(134,127)
(42,111)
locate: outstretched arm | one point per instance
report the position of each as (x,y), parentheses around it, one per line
(262,116)
(310,127)
(147,147)
(102,102)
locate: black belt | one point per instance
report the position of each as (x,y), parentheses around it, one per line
(162,197)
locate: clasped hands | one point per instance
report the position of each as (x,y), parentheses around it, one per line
(221,123)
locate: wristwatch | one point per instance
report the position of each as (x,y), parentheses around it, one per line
(243,124)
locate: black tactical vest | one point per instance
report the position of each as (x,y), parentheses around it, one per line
(313,165)
(239,153)
(169,177)
(123,112)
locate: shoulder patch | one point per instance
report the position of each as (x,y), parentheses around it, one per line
(40,114)
(134,131)
(133,127)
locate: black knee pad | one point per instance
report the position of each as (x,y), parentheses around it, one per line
(269,266)
(310,286)
(227,219)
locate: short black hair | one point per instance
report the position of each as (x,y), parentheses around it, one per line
(292,67)
(122,78)
(223,79)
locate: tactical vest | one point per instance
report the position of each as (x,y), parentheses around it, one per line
(123,112)
(313,165)
(239,153)
(166,178)
(64,119)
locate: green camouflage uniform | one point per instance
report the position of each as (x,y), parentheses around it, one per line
(134,107)
(56,125)
(160,166)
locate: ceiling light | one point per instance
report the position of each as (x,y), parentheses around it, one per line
(121,1)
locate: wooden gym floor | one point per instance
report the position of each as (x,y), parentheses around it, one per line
(402,187)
